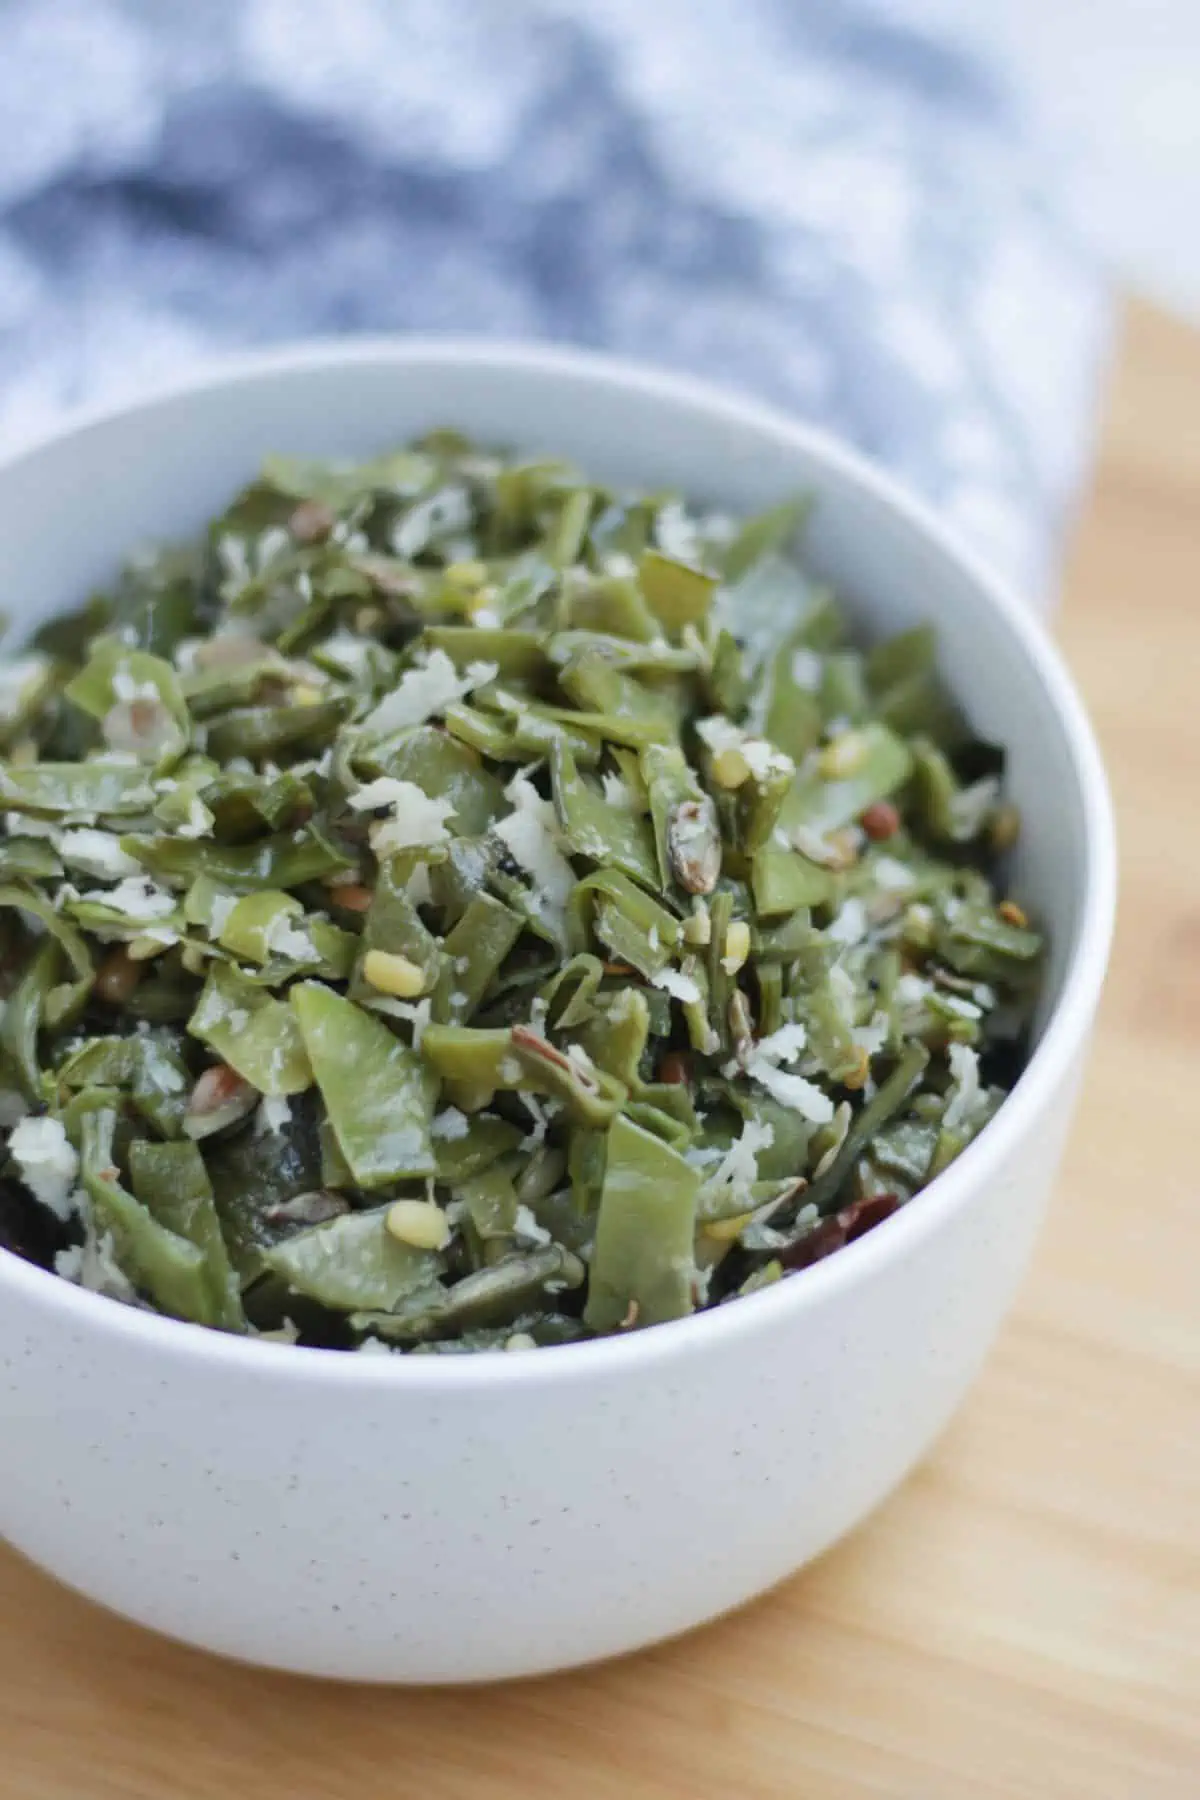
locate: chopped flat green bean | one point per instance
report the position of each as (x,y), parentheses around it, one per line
(251,1031)
(63,1000)
(634,927)
(783,881)
(862,767)
(286,861)
(642,1271)
(88,789)
(171,1182)
(595,830)
(378,1092)
(676,593)
(169,1268)
(353,1263)
(499,1293)
(474,948)
(767,532)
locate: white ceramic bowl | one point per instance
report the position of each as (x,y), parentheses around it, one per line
(446,1519)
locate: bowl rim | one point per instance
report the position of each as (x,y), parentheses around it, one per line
(1065,1034)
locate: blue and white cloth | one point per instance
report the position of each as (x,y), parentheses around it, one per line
(822,201)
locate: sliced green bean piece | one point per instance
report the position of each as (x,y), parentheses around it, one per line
(977,942)
(949,812)
(612,608)
(475,1064)
(251,1031)
(285,861)
(150,1068)
(353,1263)
(767,532)
(23,1015)
(445,770)
(63,1000)
(156,1259)
(395,926)
(633,655)
(632,712)
(794,716)
(641,1270)
(844,697)
(686,830)
(519,655)
(377,1091)
(635,928)
(596,830)
(875,1113)
(676,593)
(616,1036)
(784,881)
(474,951)
(29,859)
(171,1182)
(472,1146)
(491,1296)
(265,732)
(91,789)
(875,764)
(262,924)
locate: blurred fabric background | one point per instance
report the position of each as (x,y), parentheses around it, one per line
(845,206)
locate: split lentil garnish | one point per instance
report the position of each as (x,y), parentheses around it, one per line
(456,906)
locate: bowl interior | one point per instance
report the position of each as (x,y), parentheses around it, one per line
(71,509)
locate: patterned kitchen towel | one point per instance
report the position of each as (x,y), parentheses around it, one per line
(825,202)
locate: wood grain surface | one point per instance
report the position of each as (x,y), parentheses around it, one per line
(1023,1619)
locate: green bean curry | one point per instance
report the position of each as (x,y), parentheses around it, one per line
(456,906)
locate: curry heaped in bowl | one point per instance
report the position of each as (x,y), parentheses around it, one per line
(453,906)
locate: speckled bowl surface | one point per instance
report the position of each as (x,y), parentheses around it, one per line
(459,1519)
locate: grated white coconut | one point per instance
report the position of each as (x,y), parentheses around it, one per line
(784,1045)
(137,897)
(93,1265)
(738,1171)
(414,820)
(966,1093)
(287,939)
(892,875)
(416,1012)
(534,1108)
(528,1229)
(96,853)
(792,1091)
(531,836)
(849,924)
(47,1161)
(677,984)
(199,821)
(219,910)
(617,791)
(450,1125)
(425,691)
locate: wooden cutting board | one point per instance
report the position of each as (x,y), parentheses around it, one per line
(1023,1619)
